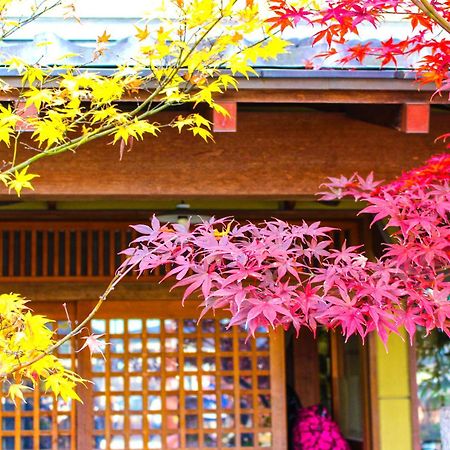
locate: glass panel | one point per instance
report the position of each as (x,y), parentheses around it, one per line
(208,345)
(209,401)
(189,326)
(8,423)
(135,402)
(117,364)
(191,402)
(171,344)
(154,383)
(154,364)
(189,345)
(136,383)
(135,365)
(98,326)
(154,403)
(208,326)
(116,326)
(209,382)
(117,403)
(170,325)
(153,326)
(136,441)
(172,363)
(99,423)
(226,363)
(64,442)
(135,326)
(8,443)
(210,440)
(245,363)
(99,403)
(263,382)
(45,443)
(190,364)
(117,345)
(245,344)
(26,443)
(192,441)
(173,421)
(153,345)
(172,383)
(118,442)
(265,439)
(154,441)
(262,343)
(191,421)
(135,345)
(247,440)
(433,384)
(229,440)
(172,402)
(117,384)
(227,401)
(247,420)
(173,441)
(99,442)
(263,363)
(154,421)
(98,364)
(227,420)
(117,422)
(226,344)
(63,422)
(136,422)
(99,384)
(209,364)
(26,423)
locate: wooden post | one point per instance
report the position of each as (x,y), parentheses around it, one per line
(415,118)
(25,112)
(223,123)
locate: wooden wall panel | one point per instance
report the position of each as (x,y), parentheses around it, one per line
(274,154)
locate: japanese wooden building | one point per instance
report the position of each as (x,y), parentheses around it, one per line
(167,383)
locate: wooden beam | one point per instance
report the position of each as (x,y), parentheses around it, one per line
(303,95)
(225,123)
(415,118)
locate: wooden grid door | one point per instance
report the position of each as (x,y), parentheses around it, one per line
(42,422)
(168,383)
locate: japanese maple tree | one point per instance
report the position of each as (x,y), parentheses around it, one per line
(280,274)
(336,22)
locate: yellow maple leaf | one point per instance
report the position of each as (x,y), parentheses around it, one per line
(16,391)
(104,38)
(21,180)
(142,33)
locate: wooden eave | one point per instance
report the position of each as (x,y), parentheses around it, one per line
(305,86)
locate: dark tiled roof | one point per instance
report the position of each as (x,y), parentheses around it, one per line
(49,49)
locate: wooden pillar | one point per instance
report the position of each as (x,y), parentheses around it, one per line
(306,368)
(227,122)
(415,118)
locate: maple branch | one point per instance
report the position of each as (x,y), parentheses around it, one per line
(426,7)
(103,297)
(29,19)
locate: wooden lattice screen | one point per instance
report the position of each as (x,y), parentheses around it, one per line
(62,251)
(76,251)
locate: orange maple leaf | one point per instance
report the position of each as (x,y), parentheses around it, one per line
(142,33)
(104,38)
